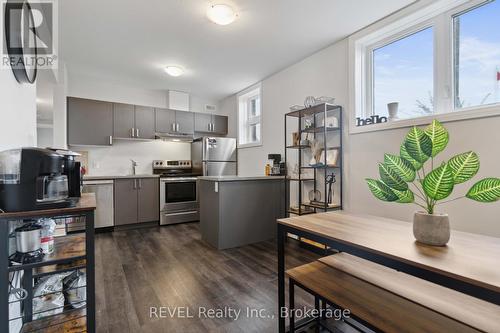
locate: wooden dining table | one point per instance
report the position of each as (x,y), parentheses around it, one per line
(469,263)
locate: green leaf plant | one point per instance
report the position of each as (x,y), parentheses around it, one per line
(403,177)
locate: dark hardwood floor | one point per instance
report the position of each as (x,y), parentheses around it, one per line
(172,267)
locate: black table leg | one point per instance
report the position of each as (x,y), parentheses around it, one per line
(90,270)
(291,305)
(281,277)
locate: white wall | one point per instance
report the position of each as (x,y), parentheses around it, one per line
(322,74)
(325,73)
(17,113)
(115,160)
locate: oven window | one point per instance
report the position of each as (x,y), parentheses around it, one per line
(180,192)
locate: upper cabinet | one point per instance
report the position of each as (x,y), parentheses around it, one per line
(144,122)
(174,122)
(97,123)
(219,124)
(89,122)
(165,121)
(133,121)
(202,122)
(123,120)
(210,124)
(184,122)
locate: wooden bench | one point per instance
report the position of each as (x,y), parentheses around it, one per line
(391,301)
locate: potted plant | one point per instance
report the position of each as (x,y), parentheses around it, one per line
(405,179)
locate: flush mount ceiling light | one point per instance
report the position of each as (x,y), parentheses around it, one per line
(174,70)
(221,14)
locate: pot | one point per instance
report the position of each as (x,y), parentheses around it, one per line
(431,229)
(392,109)
(28,238)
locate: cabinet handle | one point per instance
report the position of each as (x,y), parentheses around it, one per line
(136,132)
(132,132)
(173,127)
(140,183)
(209,127)
(110,140)
(135,184)
(177,127)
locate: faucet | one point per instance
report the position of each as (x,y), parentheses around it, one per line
(134,165)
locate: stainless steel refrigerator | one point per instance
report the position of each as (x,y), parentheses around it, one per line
(212,156)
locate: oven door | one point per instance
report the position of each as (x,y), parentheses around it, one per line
(178,200)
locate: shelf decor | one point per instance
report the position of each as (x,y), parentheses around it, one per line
(321,157)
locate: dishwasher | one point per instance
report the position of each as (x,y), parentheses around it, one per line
(104,213)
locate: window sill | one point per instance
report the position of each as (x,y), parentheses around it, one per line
(462,114)
(249,145)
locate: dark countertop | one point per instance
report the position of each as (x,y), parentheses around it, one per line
(239,178)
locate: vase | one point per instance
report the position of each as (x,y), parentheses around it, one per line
(431,229)
(392,109)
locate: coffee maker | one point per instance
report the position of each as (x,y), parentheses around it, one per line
(32,179)
(72,169)
(277,166)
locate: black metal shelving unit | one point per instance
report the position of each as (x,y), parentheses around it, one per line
(318,132)
(74,251)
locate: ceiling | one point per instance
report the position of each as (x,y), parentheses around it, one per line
(130,41)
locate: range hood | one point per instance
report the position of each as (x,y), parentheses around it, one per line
(175,137)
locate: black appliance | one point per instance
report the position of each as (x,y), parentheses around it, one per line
(277,167)
(32,179)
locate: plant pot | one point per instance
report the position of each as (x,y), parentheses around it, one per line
(392,109)
(431,229)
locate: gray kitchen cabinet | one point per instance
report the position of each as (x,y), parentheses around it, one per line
(89,122)
(185,122)
(211,124)
(202,122)
(148,208)
(133,121)
(165,121)
(125,201)
(219,124)
(137,200)
(144,122)
(123,120)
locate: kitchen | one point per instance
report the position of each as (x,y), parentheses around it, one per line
(215,178)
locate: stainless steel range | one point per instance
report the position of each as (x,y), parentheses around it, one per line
(178,191)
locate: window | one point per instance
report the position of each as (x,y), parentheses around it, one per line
(403,73)
(477,56)
(249,117)
(434,59)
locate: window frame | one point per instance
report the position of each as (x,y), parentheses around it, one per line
(248,95)
(410,20)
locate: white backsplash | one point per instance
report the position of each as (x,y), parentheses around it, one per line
(115,160)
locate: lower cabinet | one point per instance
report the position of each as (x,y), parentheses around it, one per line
(136,200)
(148,202)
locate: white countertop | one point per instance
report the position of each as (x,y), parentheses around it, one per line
(239,178)
(90,177)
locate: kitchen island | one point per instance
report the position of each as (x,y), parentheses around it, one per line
(236,211)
